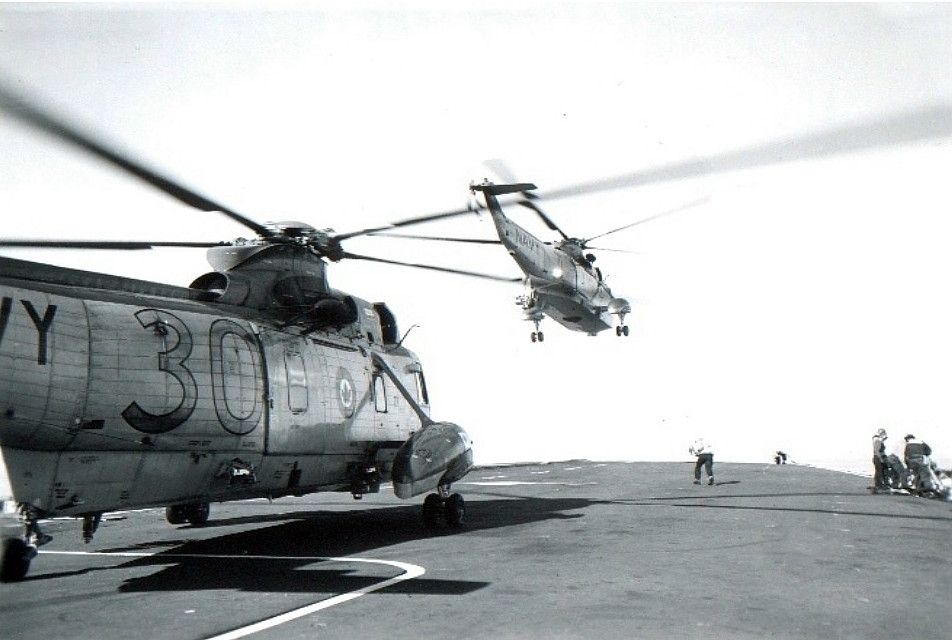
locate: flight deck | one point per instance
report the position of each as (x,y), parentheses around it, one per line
(561,550)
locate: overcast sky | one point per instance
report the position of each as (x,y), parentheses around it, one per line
(804,305)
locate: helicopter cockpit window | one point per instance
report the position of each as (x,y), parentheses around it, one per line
(380,394)
(299,292)
(388,323)
(297,382)
(422,396)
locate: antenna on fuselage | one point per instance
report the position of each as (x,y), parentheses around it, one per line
(412,327)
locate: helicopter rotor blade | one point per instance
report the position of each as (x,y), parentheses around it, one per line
(462,272)
(508,176)
(103,244)
(408,222)
(438,238)
(902,128)
(689,205)
(613,250)
(529,198)
(896,129)
(58,128)
(502,170)
(530,204)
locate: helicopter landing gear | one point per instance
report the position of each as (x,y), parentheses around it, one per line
(20,538)
(15,557)
(194,513)
(537,335)
(439,510)
(90,525)
(621,330)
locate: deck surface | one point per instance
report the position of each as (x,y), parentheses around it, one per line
(562,550)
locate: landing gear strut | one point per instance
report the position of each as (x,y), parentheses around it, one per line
(537,335)
(439,510)
(622,328)
(90,525)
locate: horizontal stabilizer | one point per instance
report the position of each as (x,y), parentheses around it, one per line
(501,189)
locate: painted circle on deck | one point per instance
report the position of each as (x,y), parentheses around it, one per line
(346,393)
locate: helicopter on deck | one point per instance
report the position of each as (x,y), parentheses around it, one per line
(257,380)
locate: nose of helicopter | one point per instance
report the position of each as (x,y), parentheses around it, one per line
(436,456)
(619,305)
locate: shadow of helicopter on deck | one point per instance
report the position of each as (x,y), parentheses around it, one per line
(294,556)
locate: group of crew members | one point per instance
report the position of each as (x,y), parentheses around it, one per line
(915,472)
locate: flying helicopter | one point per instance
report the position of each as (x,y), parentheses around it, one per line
(257,380)
(560,277)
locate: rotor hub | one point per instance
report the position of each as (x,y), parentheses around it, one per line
(321,241)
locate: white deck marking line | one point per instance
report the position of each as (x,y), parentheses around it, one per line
(520,483)
(410,571)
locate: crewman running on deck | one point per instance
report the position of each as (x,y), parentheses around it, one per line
(705,458)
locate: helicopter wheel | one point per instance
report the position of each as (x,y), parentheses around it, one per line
(438,511)
(432,512)
(15,557)
(618,330)
(454,509)
(197,513)
(194,513)
(624,330)
(176,513)
(534,336)
(541,336)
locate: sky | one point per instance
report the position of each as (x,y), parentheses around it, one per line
(801,306)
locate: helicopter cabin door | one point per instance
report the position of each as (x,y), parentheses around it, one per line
(295,369)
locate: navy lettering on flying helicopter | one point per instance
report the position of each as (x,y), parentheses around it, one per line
(525,239)
(42,324)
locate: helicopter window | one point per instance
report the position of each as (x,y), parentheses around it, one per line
(388,323)
(297,382)
(380,394)
(300,292)
(422,396)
